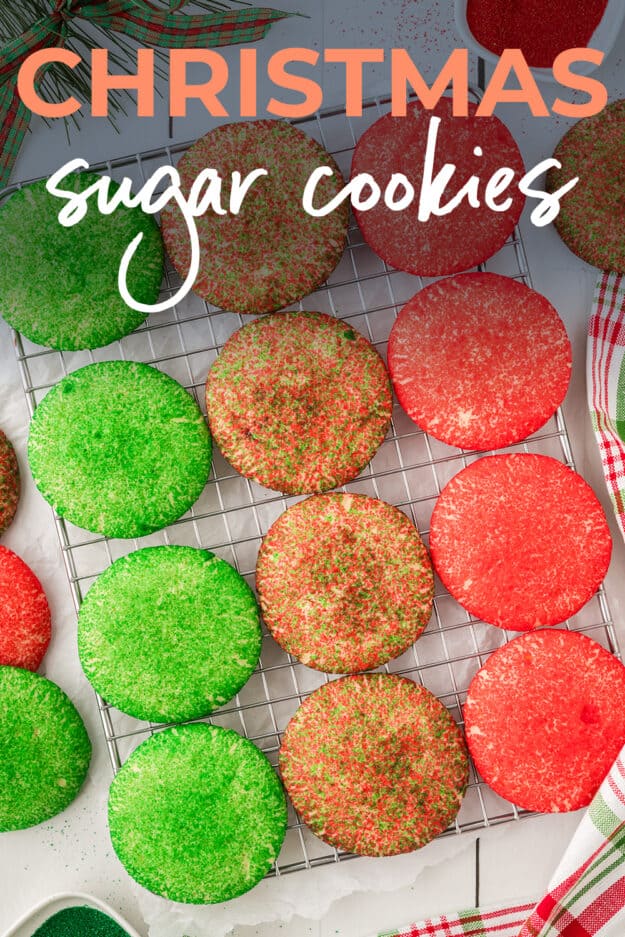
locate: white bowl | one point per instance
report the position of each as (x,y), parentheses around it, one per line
(603,38)
(28,924)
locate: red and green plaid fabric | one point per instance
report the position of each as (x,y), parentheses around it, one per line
(606,383)
(140,20)
(585,895)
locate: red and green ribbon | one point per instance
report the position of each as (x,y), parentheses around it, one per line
(138,19)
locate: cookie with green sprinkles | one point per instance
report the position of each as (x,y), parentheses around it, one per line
(195,619)
(374,764)
(9,483)
(272,252)
(591,219)
(299,401)
(345,582)
(197,814)
(119,448)
(45,749)
(58,285)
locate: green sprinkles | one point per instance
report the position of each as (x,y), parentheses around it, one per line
(80,922)
(197,814)
(196,621)
(120,449)
(45,749)
(59,286)
(299,402)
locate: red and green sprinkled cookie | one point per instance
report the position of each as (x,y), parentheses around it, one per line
(479,361)
(592,217)
(25,623)
(299,401)
(9,483)
(272,253)
(545,719)
(345,582)
(453,242)
(520,540)
(374,764)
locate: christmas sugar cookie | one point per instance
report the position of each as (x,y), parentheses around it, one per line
(453,242)
(272,253)
(120,449)
(298,401)
(25,624)
(197,814)
(545,719)
(592,219)
(374,764)
(345,582)
(9,483)
(45,749)
(58,285)
(479,361)
(520,540)
(193,616)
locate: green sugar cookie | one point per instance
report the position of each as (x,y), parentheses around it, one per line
(58,286)
(193,616)
(197,814)
(45,749)
(119,449)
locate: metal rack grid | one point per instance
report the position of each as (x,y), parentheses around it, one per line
(234,513)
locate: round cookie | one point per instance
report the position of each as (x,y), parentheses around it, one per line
(119,449)
(58,285)
(374,764)
(345,582)
(298,401)
(45,749)
(479,361)
(272,253)
(545,719)
(197,814)
(591,219)
(9,483)
(193,616)
(453,242)
(520,540)
(25,622)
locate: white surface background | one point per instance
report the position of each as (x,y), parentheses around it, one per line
(73,852)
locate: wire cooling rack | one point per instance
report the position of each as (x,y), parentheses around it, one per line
(233,514)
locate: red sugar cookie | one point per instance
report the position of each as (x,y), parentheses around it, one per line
(24,614)
(479,361)
(9,482)
(453,242)
(520,540)
(545,719)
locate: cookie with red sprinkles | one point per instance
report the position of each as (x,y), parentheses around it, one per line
(345,582)
(545,719)
(374,764)
(479,360)
(298,401)
(25,623)
(9,482)
(443,244)
(520,540)
(272,253)
(592,216)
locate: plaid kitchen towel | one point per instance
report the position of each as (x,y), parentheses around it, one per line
(606,383)
(585,894)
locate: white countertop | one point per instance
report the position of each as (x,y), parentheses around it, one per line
(72,852)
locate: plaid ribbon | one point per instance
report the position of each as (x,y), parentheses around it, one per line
(585,894)
(138,19)
(606,383)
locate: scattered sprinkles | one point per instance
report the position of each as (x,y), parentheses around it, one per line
(298,401)
(374,764)
(25,623)
(345,582)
